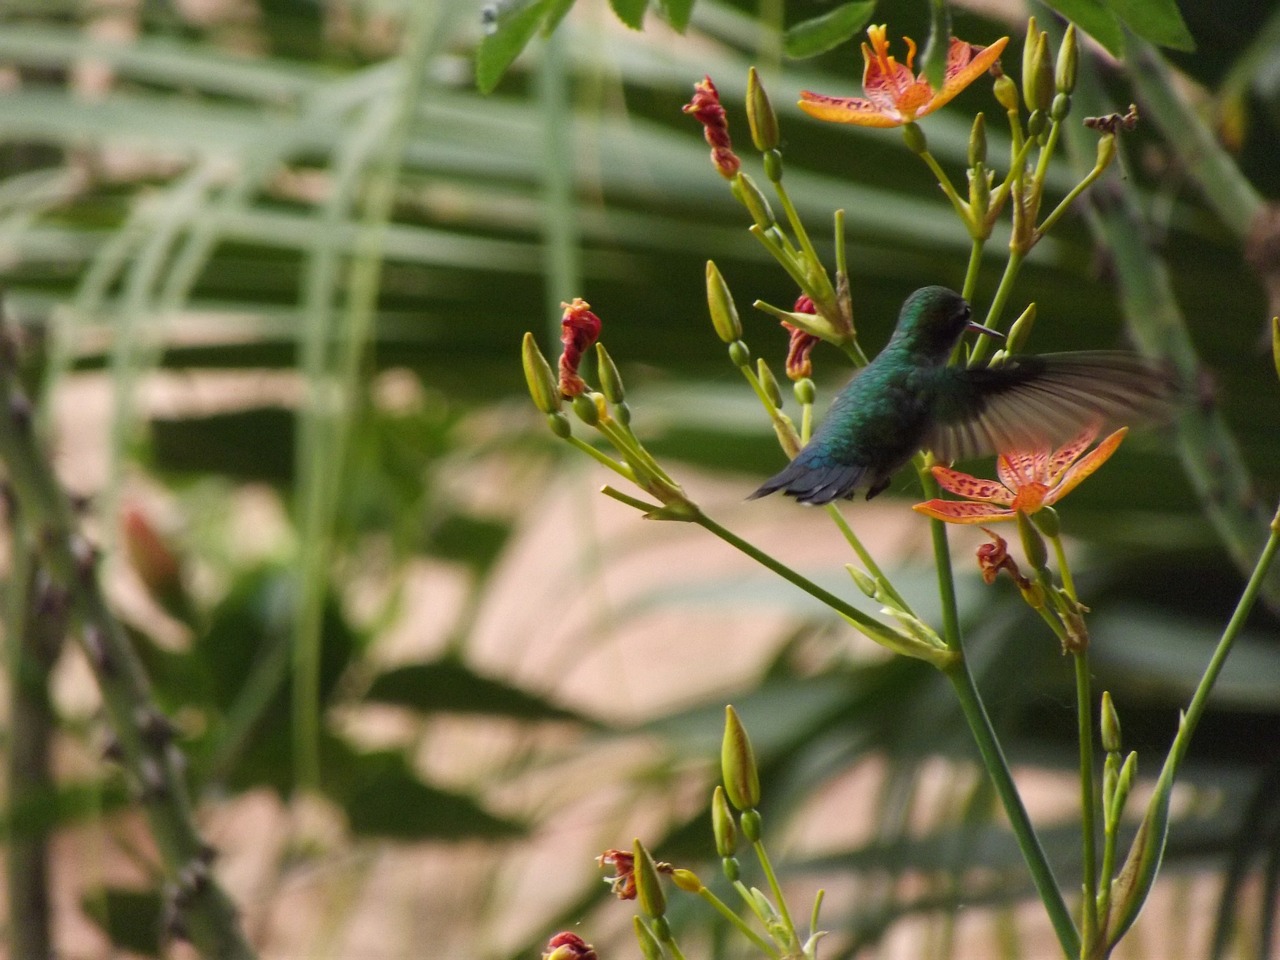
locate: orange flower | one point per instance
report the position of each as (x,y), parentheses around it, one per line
(894,94)
(1028,481)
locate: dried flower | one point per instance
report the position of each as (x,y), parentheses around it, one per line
(579,329)
(706,109)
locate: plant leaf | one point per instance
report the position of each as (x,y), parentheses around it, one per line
(447,686)
(1156,20)
(677,13)
(1095,19)
(512,31)
(812,37)
(630,12)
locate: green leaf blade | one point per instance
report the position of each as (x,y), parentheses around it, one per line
(812,37)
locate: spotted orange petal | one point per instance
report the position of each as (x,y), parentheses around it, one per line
(1083,468)
(975,488)
(855,110)
(1017,468)
(963,511)
(965,64)
(1069,452)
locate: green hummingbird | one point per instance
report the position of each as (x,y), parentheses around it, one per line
(909,399)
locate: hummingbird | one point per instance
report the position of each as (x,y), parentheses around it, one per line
(908,398)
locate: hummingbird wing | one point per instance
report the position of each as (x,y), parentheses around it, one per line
(1037,401)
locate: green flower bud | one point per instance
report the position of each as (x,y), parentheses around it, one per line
(738,764)
(1035,123)
(1006,92)
(649,892)
(1020,332)
(622,413)
(770,383)
(864,582)
(1060,107)
(1037,72)
(760,116)
(537,374)
(752,826)
(978,142)
(559,425)
(739,353)
(757,204)
(1047,521)
(1110,724)
(1106,151)
(724,315)
(773,166)
(687,881)
(1032,542)
(722,824)
(805,391)
(610,379)
(914,138)
(732,869)
(1068,61)
(650,949)
(584,405)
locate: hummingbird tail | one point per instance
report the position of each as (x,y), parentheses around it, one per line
(814,484)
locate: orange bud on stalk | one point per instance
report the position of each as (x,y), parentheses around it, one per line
(568,946)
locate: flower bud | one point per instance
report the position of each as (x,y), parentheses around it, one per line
(1035,123)
(773,165)
(1006,92)
(769,383)
(864,581)
(1047,521)
(805,391)
(650,949)
(978,141)
(1068,60)
(752,827)
(649,892)
(738,764)
(568,946)
(1060,107)
(1020,332)
(687,881)
(585,407)
(1106,151)
(724,315)
(1037,72)
(538,375)
(914,138)
(1032,543)
(610,379)
(757,204)
(739,353)
(559,425)
(760,116)
(1110,723)
(722,824)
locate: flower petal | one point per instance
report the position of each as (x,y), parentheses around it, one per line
(974,488)
(1096,458)
(1069,452)
(964,66)
(963,511)
(855,110)
(1017,468)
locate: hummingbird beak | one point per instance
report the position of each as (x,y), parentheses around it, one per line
(979,328)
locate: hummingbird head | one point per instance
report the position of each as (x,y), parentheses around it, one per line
(932,321)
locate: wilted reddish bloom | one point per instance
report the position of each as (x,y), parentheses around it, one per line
(706,109)
(1028,481)
(994,557)
(623,884)
(894,94)
(568,946)
(802,343)
(579,329)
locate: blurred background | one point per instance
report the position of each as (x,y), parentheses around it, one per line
(271,262)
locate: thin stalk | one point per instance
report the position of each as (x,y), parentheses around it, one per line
(998,303)
(765,864)
(1088,818)
(993,759)
(971,272)
(961,207)
(806,245)
(722,908)
(942,562)
(868,561)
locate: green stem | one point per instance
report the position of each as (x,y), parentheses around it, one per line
(998,769)
(1069,199)
(961,207)
(971,272)
(1088,820)
(998,303)
(793,939)
(942,562)
(818,274)
(868,561)
(722,908)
